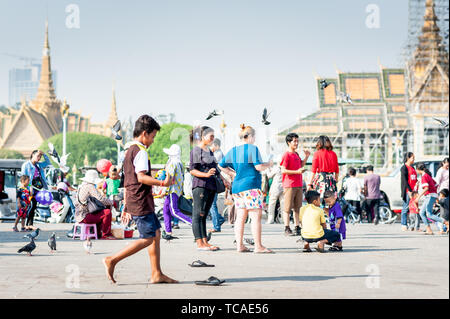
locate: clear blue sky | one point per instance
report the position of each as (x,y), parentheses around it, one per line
(184,56)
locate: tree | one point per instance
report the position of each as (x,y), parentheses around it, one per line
(171,133)
(10,154)
(79,144)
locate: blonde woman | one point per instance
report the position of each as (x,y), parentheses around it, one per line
(244,164)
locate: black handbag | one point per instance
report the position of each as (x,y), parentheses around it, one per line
(220,186)
(185,205)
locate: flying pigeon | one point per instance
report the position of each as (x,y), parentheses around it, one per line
(87,246)
(323,84)
(116,129)
(33,234)
(345,97)
(28,248)
(52,152)
(52,242)
(212,114)
(264,117)
(443,123)
(249,241)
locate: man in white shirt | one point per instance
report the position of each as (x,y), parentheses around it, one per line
(353,187)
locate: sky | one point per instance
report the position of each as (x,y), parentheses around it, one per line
(191,56)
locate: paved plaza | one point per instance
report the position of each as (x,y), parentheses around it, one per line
(377,262)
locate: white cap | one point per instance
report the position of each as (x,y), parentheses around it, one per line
(174,150)
(91,177)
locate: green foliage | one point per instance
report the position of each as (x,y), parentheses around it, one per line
(10,154)
(79,144)
(171,133)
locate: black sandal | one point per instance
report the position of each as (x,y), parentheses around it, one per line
(211,281)
(335,248)
(199,263)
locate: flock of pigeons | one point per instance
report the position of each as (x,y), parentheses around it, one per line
(28,248)
(265,116)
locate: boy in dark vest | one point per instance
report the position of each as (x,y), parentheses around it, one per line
(139,201)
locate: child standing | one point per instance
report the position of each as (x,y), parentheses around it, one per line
(139,201)
(23,202)
(112,182)
(414,219)
(174,170)
(337,222)
(292,168)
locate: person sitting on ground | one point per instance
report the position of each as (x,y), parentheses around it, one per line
(414,219)
(336,217)
(314,226)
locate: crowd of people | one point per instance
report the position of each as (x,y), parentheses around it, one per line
(238,174)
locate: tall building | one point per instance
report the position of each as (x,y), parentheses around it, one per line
(24,83)
(25,129)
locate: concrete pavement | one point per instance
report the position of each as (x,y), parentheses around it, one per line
(377,262)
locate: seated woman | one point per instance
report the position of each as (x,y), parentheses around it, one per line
(102,219)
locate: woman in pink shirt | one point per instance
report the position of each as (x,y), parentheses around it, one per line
(325,168)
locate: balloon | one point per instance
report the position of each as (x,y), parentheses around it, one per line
(44,197)
(161,175)
(103,166)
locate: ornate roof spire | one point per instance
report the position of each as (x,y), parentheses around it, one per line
(113,118)
(45,101)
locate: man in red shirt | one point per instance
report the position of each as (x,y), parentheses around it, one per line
(292,168)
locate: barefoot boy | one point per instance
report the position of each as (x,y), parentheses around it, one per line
(139,201)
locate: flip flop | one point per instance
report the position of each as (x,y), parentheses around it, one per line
(307,250)
(333,248)
(246,250)
(265,251)
(211,281)
(199,263)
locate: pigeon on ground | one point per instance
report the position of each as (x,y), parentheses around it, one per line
(264,117)
(213,114)
(442,122)
(249,241)
(208,237)
(115,130)
(28,248)
(323,84)
(52,242)
(87,246)
(33,234)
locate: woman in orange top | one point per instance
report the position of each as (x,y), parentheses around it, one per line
(325,168)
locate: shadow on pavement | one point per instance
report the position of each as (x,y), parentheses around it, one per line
(290,278)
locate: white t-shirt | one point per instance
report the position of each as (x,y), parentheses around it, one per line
(353,188)
(442,179)
(140,162)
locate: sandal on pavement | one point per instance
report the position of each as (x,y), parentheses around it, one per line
(335,248)
(265,251)
(211,281)
(199,263)
(245,250)
(307,250)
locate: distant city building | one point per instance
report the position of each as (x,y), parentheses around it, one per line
(26,128)
(24,83)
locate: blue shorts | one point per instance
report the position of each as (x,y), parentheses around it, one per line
(147,225)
